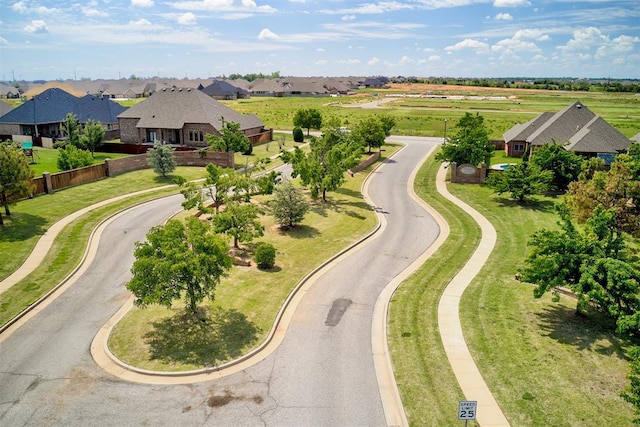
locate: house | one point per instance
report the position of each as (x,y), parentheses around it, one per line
(581,130)
(182,117)
(220,89)
(43,115)
(4,108)
(8,91)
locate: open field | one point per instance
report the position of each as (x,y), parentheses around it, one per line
(425,116)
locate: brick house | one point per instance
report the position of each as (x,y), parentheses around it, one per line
(576,126)
(182,117)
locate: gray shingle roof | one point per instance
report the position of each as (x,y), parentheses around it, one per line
(523,131)
(598,136)
(53,105)
(172,109)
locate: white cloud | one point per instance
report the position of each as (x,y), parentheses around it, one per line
(140,23)
(511,3)
(321,62)
(267,34)
(531,34)
(406,60)
(504,17)
(348,17)
(3,41)
(584,39)
(187,19)
(19,7)
(320,49)
(37,26)
(90,12)
(222,6)
(478,46)
(142,3)
(373,61)
(434,58)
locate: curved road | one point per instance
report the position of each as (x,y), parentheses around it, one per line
(322,373)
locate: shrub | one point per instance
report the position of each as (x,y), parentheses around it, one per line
(265,255)
(298,135)
(72,157)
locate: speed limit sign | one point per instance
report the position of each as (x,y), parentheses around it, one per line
(467,409)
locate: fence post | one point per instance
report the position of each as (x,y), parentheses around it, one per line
(48,187)
(453,169)
(107,164)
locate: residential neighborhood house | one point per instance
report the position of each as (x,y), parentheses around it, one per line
(43,115)
(184,117)
(581,130)
(221,89)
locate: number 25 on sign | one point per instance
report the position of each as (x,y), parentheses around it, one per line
(467,410)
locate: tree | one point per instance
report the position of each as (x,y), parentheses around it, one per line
(564,165)
(240,222)
(521,180)
(298,135)
(308,119)
(265,255)
(92,136)
(593,263)
(617,189)
(71,157)
(470,144)
(161,159)
(323,167)
(288,205)
(178,260)
(231,139)
(371,132)
(388,123)
(71,128)
(15,176)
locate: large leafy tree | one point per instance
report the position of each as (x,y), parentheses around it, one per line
(371,132)
(323,167)
(308,118)
(92,136)
(521,180)
(240,221)
(160,158)
(231,139)
(288,205)
(470,144)
(564,165)
(594,263)
(178,261)
(15,175)
(617,189)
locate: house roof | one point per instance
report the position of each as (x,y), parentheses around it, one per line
(598,136)
(523,131)
(222,88)
(4,108)
(66,87)
(53,105)
(172,109)
(575,125)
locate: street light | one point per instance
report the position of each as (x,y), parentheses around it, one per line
(445,131)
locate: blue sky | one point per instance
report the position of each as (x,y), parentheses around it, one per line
(62,39)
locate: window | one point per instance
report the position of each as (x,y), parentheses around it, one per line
(518,147)
(196,136)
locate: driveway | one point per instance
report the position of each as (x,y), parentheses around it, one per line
(321,375)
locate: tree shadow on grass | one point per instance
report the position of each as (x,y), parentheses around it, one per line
(342,207)
(592,331)
(530,204)
(212,337)
(21,226)
(300,231)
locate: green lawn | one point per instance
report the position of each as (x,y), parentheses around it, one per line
(544,364)
(45,160)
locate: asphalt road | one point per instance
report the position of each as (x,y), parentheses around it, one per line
(321,375)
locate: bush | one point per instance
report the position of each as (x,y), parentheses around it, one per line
(298,135)
(265,255)
(248,149)
(72,158)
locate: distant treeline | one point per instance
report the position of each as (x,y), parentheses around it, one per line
(632,86)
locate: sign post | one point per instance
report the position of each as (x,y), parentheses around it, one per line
(467,410)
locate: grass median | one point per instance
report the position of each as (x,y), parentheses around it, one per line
(544,364)
(248,300)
